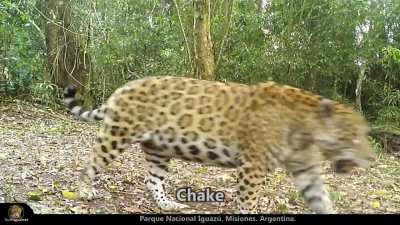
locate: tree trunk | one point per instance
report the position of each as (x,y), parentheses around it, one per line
(67,62)
(203,47)
(263,4)
(360,79)
(228,18)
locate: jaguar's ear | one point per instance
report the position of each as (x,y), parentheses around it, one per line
(326,109)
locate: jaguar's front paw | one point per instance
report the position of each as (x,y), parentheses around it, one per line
(87,192)
(171,205)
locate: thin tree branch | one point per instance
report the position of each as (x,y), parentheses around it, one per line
(58,25)
(184,36)
(228,25)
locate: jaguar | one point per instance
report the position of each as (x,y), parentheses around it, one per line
(252,128)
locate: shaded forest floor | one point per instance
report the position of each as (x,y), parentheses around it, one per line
(42,152)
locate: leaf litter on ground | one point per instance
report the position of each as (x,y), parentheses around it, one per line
(43,152)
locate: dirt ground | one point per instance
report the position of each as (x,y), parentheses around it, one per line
(43,150)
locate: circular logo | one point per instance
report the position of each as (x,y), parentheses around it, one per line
(15,212)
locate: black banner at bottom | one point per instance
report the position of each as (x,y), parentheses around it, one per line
(18,213)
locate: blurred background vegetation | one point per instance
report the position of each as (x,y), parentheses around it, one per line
(345,50)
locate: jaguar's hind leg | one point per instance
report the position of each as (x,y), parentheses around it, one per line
(110,143)
(157,173)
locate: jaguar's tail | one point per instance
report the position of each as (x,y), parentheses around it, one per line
(77,110)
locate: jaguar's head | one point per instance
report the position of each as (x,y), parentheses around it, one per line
(343,137)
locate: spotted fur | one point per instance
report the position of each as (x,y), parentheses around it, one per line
(253,128)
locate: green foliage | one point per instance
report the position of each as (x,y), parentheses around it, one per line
(391,62)
(389,114)
(384,89)
(312,44)
(134,39)
(23,53)
(376,145)
(45,93)
(243,58)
